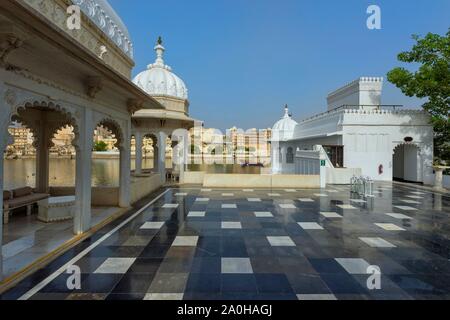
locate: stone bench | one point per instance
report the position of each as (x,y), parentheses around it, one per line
(56,209)
(19,198)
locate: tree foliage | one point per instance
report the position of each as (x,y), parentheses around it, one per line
(431,81)
(100,146)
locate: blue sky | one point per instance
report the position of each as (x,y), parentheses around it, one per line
(242,60)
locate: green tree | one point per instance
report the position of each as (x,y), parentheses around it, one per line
(100,146)
(431,81)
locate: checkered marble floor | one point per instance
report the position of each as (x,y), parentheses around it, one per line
(192,243)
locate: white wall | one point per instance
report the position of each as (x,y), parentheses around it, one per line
(362,91)
(370,137)
(411,164)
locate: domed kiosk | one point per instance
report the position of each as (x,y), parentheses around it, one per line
(282,130)
(162,84)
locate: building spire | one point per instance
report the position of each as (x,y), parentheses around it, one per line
(286,111)
(159,49)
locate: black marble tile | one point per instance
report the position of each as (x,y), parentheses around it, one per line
(238,283)
(273,283)
(417,268)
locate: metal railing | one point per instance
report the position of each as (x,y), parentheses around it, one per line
(361,186)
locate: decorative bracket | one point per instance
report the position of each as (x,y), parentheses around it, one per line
(134,105)
(94,85)
(11,38)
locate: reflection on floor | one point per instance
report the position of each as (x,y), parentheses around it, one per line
(263,244)
(26,239)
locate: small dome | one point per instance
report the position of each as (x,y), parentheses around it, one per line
(159,80)
(284,128)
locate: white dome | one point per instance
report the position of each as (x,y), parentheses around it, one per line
(159,80)
(284,128)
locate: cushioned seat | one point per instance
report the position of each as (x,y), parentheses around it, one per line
(20,197)
(24,200)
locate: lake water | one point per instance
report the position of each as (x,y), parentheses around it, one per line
(105,172)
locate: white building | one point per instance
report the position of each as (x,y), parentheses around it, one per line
(359,136)
(161,83)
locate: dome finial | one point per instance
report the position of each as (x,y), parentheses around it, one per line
(286,111)
(159,52)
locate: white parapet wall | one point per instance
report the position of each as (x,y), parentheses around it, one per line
(142,186)
(109,196)
(260,181)
(342,175)
(192,177)
(365,91)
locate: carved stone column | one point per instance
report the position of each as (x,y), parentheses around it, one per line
(83,189)
(5,115)
(155,157)
(138,153)
(161,155)
(124,172)
(2,148)
(42,144)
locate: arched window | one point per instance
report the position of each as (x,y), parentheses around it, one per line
(290,155)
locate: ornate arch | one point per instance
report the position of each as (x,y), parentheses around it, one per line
(153,136)
(401,144)
(115,128)
(69,118)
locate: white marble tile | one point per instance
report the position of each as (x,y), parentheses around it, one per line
(254,199)
(346,206)
(354,265)
(263,214)
(377,242)
(287,206)
(282,241)
(274,194)
(418,192)
(196,214)
(185,241)
(115,265)
(181,194)
(290,190)
(320,194)
(315,297)
(405,208)
(229,206)
(332,191)
(227,194)
(389,227)
(205,190)
(399,216)
(152,225)
(248,190)
(305,200)
(310,225)
(415,197)
(410,201)
(358,200)
(164,296)
(236,265)
(330,214)
(170,206)
(202,199)
(231,225)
